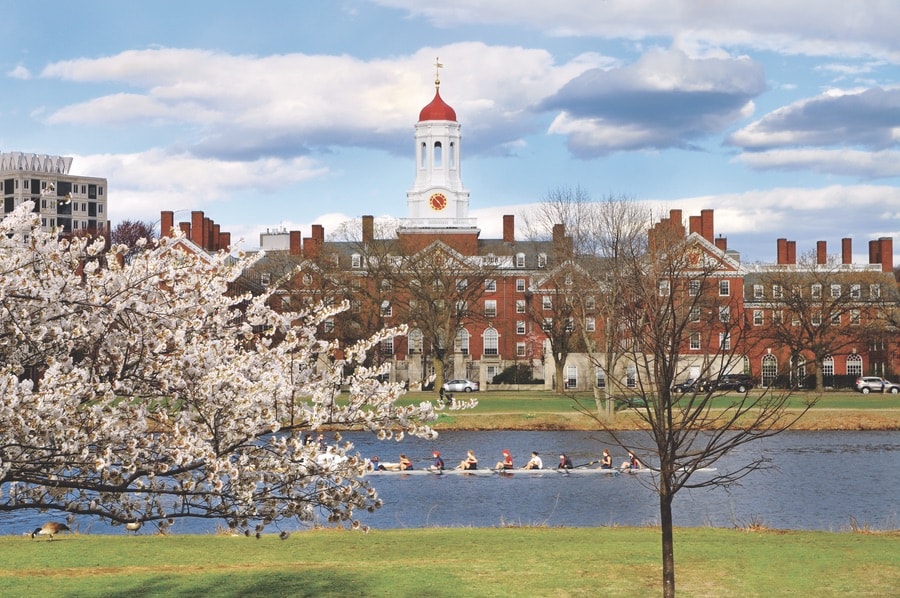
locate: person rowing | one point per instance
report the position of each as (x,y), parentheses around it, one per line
(632,463)
(507,462)
(470,463)
(438,464)
(535,462)
(606,460)
(565,462)
(405,463)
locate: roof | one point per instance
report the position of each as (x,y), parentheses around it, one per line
(437,109)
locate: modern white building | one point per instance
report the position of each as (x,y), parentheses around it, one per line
(68,202)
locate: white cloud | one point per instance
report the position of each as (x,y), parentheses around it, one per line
(843,162)
(145,183)
(19,72)
(296,101)
(807,27)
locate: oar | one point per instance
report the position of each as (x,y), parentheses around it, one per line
(565,470)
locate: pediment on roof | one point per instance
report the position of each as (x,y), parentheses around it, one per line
(182,243)
(560,271)
(438,252)
(703,255)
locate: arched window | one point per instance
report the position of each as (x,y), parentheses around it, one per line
(423,156)
(438,154)
(769,370)
(491,342)
(854,365)
(461,344)
(452,156)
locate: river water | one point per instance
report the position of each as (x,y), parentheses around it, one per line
(823,481)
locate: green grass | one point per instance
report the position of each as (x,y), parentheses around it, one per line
(455,562)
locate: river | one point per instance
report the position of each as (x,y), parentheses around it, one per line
(823,481)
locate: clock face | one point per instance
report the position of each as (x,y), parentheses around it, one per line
(437,202)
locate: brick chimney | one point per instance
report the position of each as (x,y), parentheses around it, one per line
(695,225)
(881,251)
(846,251)
(821,252)
(722,244)
(792,252)
(509,228)
(782,251)
(706,224)
(225,241)
(318,233)
(197,227)
(368,229)
(166,223)
(311,247)
(887,254)
(295,242)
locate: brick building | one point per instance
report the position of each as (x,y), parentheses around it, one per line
(475,306)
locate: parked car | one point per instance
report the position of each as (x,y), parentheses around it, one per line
(689,385)
(460,385)
(738,382)
(867,384)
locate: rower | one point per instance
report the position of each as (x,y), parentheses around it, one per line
(507,462)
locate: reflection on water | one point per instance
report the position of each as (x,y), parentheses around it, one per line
(823,481)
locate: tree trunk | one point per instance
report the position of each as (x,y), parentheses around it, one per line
(438,364)
(560,380)
(668,544)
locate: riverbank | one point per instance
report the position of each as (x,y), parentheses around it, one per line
(510,410)
(451,562)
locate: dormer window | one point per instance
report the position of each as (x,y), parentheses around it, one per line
(520,260)
(542,260)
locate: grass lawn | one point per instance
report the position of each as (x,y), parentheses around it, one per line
(456,562)
(544,410)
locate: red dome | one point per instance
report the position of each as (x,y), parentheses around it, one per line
(437,110)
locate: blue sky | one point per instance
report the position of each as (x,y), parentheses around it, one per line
(784,117)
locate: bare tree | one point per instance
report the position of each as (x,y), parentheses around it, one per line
(600,234)
(665,293)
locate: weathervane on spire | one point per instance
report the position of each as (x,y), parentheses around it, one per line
(437,72)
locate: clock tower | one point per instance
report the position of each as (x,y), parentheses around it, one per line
(437,201)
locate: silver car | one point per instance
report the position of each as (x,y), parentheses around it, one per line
(867,384)
(460,385)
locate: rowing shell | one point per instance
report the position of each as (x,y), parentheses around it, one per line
(515,472)
(432,472)
(584,471)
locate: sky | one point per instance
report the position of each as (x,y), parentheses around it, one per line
(783,117)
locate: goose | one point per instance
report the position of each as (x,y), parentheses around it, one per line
(51,528)
(133,526)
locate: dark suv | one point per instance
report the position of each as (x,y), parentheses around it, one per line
(738,382)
